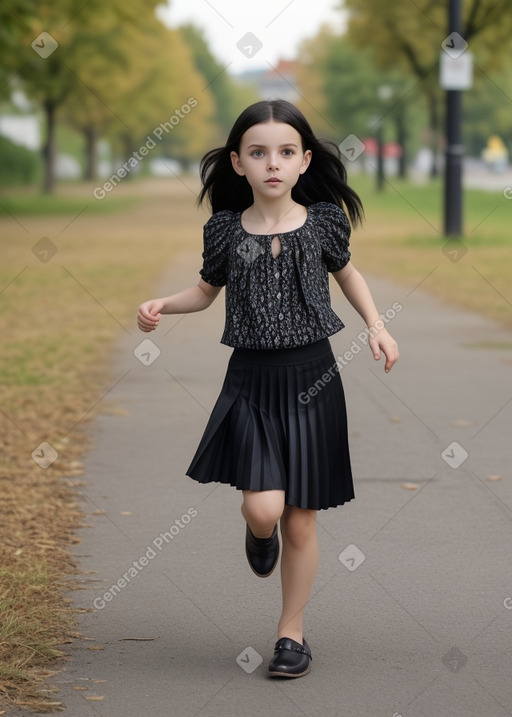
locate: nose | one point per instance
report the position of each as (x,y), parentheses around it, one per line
(273,162)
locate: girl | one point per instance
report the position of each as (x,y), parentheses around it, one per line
(278,431)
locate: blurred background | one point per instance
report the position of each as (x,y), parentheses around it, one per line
(83,85)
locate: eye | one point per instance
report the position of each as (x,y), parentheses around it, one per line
(257,153)
(288,152)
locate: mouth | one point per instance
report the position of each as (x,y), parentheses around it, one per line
(272,180)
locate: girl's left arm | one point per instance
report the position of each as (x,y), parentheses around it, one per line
(357,292)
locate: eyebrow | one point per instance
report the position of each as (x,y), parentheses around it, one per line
(286,144)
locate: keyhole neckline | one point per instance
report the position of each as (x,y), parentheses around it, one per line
(276,246)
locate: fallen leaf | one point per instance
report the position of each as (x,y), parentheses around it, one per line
(80,687)
(115,411)
(95,647)
(98,512)
(410,486)
(94,698)
(463,422)
(395,419)
(100,681)
(126,512)
(493,477)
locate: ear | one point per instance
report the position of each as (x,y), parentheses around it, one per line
(306,160)
(235,161)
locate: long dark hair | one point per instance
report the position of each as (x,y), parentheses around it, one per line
(325,180)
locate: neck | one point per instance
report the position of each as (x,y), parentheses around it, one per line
(272,212)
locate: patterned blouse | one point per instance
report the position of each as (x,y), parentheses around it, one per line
(279,302)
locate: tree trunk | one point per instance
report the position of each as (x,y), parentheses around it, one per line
(91,153)
(49,149)
(401,138)
(434,133)
(380,159)
(127,150)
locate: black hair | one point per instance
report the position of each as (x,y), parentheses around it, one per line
(325,180)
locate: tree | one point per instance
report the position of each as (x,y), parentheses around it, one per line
(15,18)
(144,79)
(107,68)
(230,97)
(89,107)
(45,59)
(163,87)
(487,109)
(342,83)
(55,44)
(410,35)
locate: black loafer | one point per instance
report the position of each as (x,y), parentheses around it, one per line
(262,553)
(291,659)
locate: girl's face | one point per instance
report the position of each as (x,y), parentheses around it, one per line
(271,158)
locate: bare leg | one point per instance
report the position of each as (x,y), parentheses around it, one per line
(299,562)
(262,509)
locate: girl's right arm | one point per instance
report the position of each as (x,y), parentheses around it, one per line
(196,298)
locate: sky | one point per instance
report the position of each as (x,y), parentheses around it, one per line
(250,34)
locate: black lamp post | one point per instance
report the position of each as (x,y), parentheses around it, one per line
(454,146)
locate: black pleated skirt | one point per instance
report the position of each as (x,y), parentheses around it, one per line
(280,423)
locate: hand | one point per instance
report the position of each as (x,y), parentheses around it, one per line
(149,314)
(386,343)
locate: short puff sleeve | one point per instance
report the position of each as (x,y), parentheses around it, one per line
(216,234)
(335,232)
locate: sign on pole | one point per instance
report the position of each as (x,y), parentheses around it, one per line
(456,73)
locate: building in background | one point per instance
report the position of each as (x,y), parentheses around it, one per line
(276,82)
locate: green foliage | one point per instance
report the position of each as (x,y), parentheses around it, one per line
(487,109)
(18,165)
(397,46)
(347,90)
(117,72)
(411,34)
(230,99)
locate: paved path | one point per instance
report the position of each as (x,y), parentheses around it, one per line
(415,617)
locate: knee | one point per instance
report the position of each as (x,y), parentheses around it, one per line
(298,526)
(264,508)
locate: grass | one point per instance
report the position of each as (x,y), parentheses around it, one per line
(60,320)
(27,204)
(402,238)
(33,630)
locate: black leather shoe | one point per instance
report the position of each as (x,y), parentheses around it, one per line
(291,659)
(262,553)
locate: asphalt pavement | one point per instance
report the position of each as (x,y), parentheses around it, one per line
(411,610)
